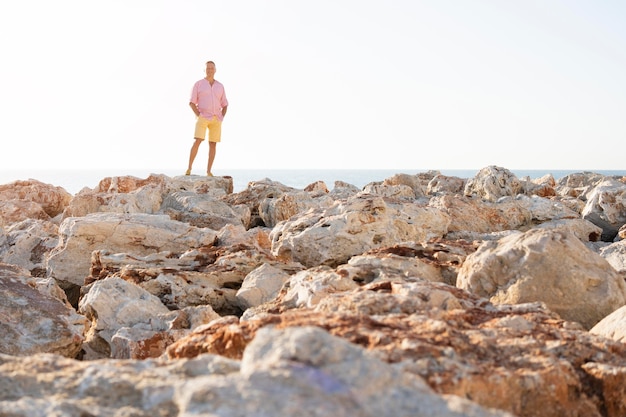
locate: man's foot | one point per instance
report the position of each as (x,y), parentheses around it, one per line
(188,172)
(208,174)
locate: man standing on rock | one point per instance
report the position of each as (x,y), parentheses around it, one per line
(208,102)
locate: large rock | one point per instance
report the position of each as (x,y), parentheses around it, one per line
(128,194)
(300,371)
(493,182)
(112,304)
(475,215)
(33,320)
(606,207)
(254,195)
(13,211)
(261,285)
(203,210)
(140,234)
(28,243)
(52,200)
(578,184)
(612,326)
(551,266)
(332,236)
(274,209)
(615,254)
(520,358)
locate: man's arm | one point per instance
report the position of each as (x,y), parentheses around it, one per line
(224,111)
(195,109)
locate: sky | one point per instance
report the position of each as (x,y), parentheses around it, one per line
(407,84)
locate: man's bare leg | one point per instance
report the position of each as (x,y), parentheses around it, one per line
(212,149)
(192,154)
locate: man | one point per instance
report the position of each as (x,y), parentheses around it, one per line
(208,102)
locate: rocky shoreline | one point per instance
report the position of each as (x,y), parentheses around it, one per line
(419,295)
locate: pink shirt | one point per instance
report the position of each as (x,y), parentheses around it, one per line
(210,99)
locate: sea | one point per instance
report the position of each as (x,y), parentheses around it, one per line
(74,180)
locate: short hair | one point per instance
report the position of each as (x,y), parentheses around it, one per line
(210,62)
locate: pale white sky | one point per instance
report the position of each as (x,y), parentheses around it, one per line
(407,84)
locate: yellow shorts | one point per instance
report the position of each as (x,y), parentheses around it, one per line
(214,127)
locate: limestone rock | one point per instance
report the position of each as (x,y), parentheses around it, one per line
(551,266)
(444,184)
(139,234)
(436,261)
(414,182)
(292,299)
(546,209)
(582,229)
(35,321)
(304,372)
(204,276)
(615,254)
(612,326)
(112,304)
(28,243)
(363,222)
(475,215)
(459,343)
(203,210)
(307,288)
(252,197)
(261,285)
(493,182)
(606,207)
(541,187)
(52,200)
(14,211)
(274,209)
(578,184)
(128,194)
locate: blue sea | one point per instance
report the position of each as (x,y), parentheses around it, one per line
(75,180)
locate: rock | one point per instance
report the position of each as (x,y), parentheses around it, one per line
(578,185)
(615,254)
(261,286)
(541,187)
(546,209)
(35,321)
(443,184)
(252,197)
(112,304)
(363,222)
(459,343)
(51,199)
(493,182)
(28,243)
(307,288)
(550,266)
(582,229)
(414,182)
(274,209)
(203,210)
(612,326)
(474,215)
(606,207)
(14,211)
(304,372)
(140,234)
(128,194)
(256,303)
(204,276)
(340,379)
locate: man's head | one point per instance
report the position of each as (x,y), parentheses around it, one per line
(210,69)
